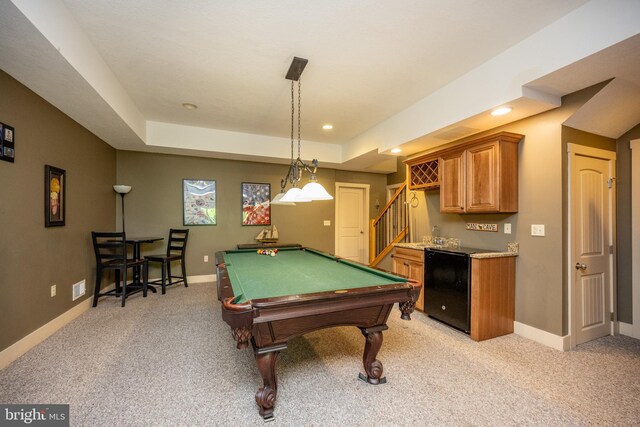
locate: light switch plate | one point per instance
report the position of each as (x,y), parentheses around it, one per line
(507,228)
(327,223)
(537,230)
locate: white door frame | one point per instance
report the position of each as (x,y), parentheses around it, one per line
(576,149)
(635,235)
(391,190)
(365,211)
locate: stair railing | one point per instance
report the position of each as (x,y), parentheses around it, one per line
(390,227)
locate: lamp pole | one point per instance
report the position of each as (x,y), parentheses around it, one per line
(122,204)
(122,190)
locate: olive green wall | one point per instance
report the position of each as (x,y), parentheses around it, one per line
(401,174)
(32,257)
(541,287)
(623,235)
(155,203)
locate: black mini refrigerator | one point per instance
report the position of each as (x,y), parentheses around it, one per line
(447,286)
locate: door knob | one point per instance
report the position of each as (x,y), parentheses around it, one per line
(581,266)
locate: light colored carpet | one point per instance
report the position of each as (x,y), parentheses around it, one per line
(170,361)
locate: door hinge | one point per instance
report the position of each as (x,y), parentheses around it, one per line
(610,182)
(610,249)
(611,316)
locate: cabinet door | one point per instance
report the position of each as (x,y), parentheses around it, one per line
(401,266)
(452,183)
(483,169)
(416,272)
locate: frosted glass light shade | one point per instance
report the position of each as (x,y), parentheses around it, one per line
(295,195)
(278,200)
(122,189)
(315,191)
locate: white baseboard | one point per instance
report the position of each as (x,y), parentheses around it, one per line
(543,337)
(19,348)
(626,329)
(202,279)
(194,279)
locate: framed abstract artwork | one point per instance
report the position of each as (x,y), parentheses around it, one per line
(198,202)
(256,203)
(55,196)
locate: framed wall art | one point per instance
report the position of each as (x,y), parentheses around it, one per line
(55,196)
(7,143)
(256,203)
(198,202)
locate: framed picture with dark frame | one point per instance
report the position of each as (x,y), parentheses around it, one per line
(7,143)
(55,196)
(256,203)
(198,202)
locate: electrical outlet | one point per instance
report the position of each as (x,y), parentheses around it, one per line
(206,258)
(507,228)
(327,223)
(53,291)
(537,230)
(78,289)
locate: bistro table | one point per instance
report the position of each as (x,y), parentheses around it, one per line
(136,242)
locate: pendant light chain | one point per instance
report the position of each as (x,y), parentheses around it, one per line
(292,112)
(299,84)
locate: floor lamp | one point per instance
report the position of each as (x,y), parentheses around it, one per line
(122,190)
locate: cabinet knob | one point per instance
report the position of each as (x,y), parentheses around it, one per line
(406,263)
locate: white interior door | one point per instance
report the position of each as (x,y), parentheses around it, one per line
(592,196)
(352,228)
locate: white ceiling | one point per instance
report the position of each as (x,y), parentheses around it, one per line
(384,75)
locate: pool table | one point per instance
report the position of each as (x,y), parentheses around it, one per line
(267,300)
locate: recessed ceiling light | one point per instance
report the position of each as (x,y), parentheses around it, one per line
(396,150)
(327,127)
(189,106)
(501,111)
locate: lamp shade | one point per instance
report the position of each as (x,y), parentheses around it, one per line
(315,191)
(122,189)
(294,195)
(278,200)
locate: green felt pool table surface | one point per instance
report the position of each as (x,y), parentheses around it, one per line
(295,271)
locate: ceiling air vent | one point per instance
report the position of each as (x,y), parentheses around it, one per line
(456,133)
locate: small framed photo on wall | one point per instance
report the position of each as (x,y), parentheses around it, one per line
(7,143)
(55,196)
(256,203)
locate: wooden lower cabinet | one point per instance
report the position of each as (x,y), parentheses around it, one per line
(493,287)
(410,263)
(492,297)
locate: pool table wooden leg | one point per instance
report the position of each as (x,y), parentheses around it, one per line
(372,366)
(266,359)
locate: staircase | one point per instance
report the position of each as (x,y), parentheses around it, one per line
(390,227)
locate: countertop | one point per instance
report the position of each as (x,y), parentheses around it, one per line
(421,246)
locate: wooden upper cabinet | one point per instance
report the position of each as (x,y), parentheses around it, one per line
(479,176)
(483,168)
(452,182)
(492,174)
